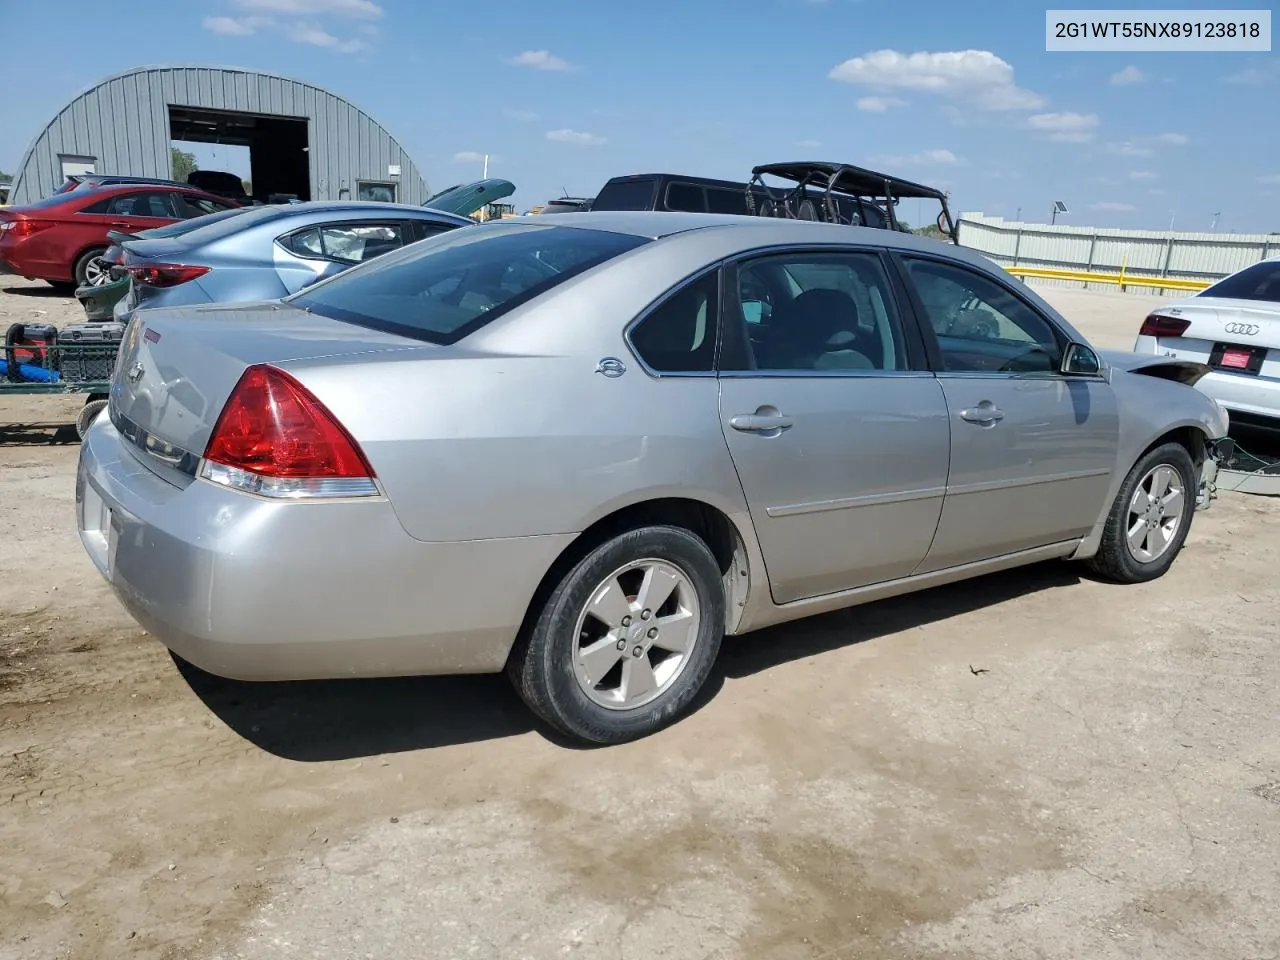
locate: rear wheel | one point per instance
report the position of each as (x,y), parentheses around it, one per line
(1150,517)
(626,639)
(89,268)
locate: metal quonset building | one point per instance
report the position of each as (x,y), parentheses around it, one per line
(302,139)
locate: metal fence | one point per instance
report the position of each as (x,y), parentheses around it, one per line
(1141,256)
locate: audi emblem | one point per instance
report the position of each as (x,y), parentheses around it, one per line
(1244,329)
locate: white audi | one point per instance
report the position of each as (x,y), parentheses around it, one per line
(1232,326)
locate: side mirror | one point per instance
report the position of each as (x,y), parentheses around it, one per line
(1080,360)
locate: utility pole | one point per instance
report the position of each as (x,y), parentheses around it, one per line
(485,175)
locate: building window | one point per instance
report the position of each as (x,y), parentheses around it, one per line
(74,164)
(377,190)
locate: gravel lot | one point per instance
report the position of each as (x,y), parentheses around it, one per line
(1030,765)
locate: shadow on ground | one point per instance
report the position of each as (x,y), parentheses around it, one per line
(316,721)
(37,434)
(39,293)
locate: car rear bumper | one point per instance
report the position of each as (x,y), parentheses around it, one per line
(1242,393)
(255,590)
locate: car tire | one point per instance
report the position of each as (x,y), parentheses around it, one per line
(81,270)
(88,413)
(1128,552)
(558,665)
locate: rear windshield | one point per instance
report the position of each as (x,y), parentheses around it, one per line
(180,227)
(1259,282)
(626,195)
(444,288)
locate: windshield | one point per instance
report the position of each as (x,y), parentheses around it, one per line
(443,288)
(1259,282)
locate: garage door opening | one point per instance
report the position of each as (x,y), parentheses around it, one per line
(278,161)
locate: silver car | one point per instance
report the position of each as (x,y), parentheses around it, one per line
(266,252)
(585,448)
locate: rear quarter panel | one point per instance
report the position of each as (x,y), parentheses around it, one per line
(512,432)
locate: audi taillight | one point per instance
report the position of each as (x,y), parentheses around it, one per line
(166,274)
(274,438)
(21,229)
(1158,325)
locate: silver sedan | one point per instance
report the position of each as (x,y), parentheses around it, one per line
(583,449)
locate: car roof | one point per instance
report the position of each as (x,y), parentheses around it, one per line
(750,232)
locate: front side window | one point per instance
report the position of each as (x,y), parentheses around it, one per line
(982,327)
(818,312)
(679,336)
(189,205)
(444,287)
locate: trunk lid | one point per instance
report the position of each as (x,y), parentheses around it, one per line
(1252,322)
(1230,335)
(177,368)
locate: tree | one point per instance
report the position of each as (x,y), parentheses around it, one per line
(183,163)
(5,176)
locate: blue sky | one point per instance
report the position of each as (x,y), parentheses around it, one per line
(564,94)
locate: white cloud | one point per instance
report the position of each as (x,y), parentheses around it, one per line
(229,26)
(1128,75)
(879,104)
(540,60)
(316,36)
(1111,207)
(524,116)
(978,77)
(922,158)
(1065,127)
(576,137)
(808,144)
(1143,175)
(1145,146)
(362,9)
(1251,75)
(1270,178)
(468,156)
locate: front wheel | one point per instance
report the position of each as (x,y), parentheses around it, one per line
(626,639)
(1150,517)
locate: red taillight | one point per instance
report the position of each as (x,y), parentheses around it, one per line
(274,438)
(21,229)
(166,274)
(1157,325)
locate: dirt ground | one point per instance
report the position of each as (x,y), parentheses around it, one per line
(1030,765)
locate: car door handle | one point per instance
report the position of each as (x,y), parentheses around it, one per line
(760,423)
(120,223)
(984,413)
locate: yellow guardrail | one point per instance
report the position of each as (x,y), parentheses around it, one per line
(1121,279)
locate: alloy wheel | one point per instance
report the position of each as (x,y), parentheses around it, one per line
(1155,513)
(636,633)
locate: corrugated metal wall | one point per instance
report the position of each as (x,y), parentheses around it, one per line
(1142,253)
(123,123)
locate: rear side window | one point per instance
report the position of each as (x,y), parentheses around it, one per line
(679,336)
(687,197)
(1259,282)
(445,287)
(626,195)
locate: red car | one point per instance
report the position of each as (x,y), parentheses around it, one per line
(59,238)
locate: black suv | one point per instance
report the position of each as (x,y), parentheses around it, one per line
(673,191)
